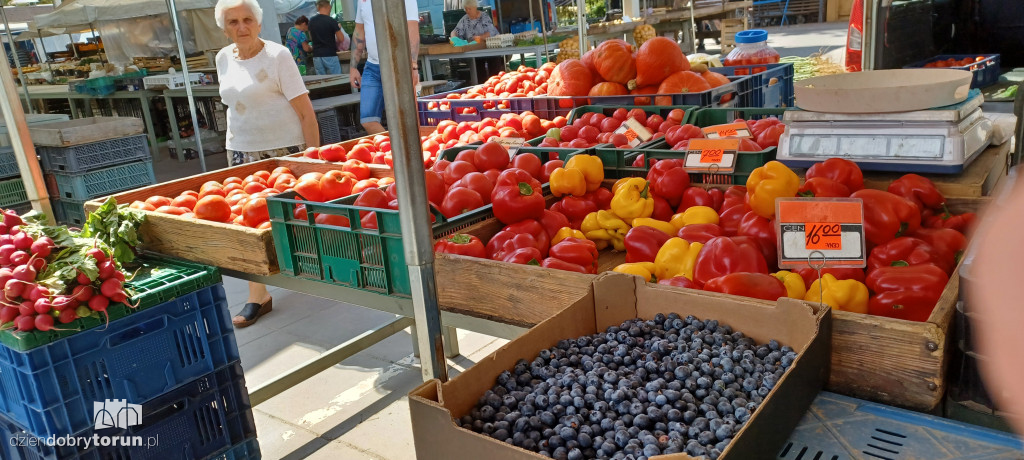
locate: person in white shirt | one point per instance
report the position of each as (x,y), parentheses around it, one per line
(364,38)
(269,113)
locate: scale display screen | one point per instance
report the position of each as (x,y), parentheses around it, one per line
(867,146)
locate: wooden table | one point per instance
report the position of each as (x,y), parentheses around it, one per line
(665,22)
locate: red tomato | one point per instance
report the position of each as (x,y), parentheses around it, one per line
(491,155)
(676,115)
(309,189)
(333,152)
(157,201)
(548,168)
(172,210)
(639,115)
(331,219)
(364,185)
(142,205)
(610,124)
(214,208)
(336,184)
(255,212)
(530,163)
(184,201)
(459,200)
(456,170)
(230,180)
(262,175)
(479,183)
(654,122)
(435,186)
(358,168)
(253,187)
(360,152)
(677,134)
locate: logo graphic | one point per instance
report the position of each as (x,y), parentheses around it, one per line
(116,413)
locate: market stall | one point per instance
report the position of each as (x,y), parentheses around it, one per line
(774,239)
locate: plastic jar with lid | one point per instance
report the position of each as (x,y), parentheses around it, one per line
(751,49)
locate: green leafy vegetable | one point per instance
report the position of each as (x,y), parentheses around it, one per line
(117,227)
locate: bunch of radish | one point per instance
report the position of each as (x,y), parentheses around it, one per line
(28,303)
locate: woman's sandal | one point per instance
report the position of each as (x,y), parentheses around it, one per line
(252,312)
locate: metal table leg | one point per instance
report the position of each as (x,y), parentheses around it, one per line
(173,120)
(147,117)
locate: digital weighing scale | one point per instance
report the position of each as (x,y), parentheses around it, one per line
(940,140)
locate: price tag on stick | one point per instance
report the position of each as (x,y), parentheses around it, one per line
(636,133)
(512,144)
(832,229)
(738,129)
(711,155)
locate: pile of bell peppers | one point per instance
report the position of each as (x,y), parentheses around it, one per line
(679,234)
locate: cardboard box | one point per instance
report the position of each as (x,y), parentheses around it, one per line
(613,299)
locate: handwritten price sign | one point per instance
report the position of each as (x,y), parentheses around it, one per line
(635,132)
(829,231)
(736,130)
(711,155)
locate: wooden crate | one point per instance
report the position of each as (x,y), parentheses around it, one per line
(891,361)
(729,29)
(223,245)
(84,130)
(375,169)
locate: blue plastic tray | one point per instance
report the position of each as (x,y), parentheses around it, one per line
(771,88)
(839,428)
(51,389)
(94,155)
(207,418)
(102,182)
(8,164)
(69,212)
(986,71)
(485,108)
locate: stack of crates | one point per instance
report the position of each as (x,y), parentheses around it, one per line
(162,380)
(76,173)
(12,189)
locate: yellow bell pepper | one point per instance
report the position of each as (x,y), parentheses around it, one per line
(566,232)
(604,228)
(771,181)
(794,283)
(568,182)
(845,295)
(655,223)
(618,184)
(591,167)
(644,270)
(694,215)
(633,200)
(677,257)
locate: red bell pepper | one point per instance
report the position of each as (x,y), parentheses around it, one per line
(527,233)
(823,187)
(575,209)
(523,256)
(840,170)
(602,197)
(948,243)
(699,233)
(461,244)
(762,231)
(724,255)
(517,196)
(573,254)
(887,216)
(662,210)
(918,189)
(756,285)
(553,221)
(669,180)
(906,250)
(810,275)
(370,198)
(944,219)
(680,281)
(698,196)
(643,243)
(729,219)
(737,194)
(906,292)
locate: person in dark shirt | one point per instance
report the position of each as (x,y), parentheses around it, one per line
(326,34)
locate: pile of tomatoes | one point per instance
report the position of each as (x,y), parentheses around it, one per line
(594,128)
(954,62)
(522,82)
(244,201)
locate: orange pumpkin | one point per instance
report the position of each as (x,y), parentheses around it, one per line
(588,62)
(715,79)
(680,82)
(608,89)
(570,78)
(644,90)
(658,58)
(614,61)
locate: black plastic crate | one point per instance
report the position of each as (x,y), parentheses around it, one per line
(330,128)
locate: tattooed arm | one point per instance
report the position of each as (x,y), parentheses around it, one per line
(358,47)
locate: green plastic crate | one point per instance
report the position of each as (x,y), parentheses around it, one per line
(746,163)
(157,279)
(12,193)
(711,117)
(563,153)
(368,259)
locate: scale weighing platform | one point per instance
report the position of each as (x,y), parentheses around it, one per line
(941,140)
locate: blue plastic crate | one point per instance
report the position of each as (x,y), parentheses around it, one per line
(840,428)
(772,88)
(8,164)
(247,450)
(12,193)
(485,108)
(102,182)
(94,155)
(986,71)
(69,212)
(51,389)
(736,93)
(207,418)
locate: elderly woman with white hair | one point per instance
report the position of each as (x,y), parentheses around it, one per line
(474,26)
(269,113)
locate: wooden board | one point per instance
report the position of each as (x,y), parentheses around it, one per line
(84,130)
(977,180)
(448,48)
(881,359)
(223,245)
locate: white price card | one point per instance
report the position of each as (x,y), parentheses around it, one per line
(512,144)
(711,155)
(738,129)
(636,133)
(825,231)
